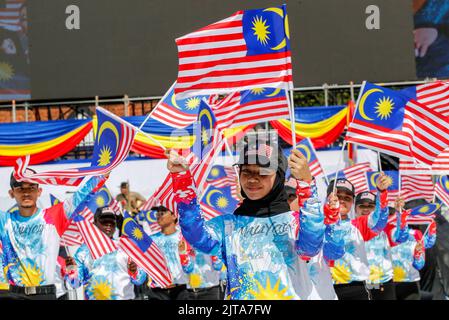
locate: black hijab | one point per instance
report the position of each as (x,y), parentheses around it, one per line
(275,202)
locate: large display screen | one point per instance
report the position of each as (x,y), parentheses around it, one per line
(61,49)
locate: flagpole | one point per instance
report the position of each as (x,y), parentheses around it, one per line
(379,162)
(157,105)
(338,166)
(291,111)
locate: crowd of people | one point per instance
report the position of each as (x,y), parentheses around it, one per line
(276,245)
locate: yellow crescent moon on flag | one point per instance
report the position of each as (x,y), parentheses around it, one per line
(108,125)
(446,184)
(274,93)
(206,113)
(280,12)
(424,209)
(362,103)
(149,218)
(125,222)
(173,102)
(210,194)
(306,150)
(373,179)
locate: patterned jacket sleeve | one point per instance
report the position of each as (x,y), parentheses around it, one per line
(138,277)
(333,245)
(311,226)
(192,223)
(81,275)
(419,256)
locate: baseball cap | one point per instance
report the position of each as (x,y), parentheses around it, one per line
(365,197)
(14,183)
(105,213)
(160,208)
(266,155)
(342,184)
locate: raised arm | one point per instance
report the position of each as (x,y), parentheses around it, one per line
(191,221)
(77,271)
(334,244)
(311,219)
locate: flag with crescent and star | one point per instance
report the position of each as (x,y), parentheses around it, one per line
(250,49)
(217,201)
(54,200)
(393,189)
(177,113)
(144,252)
(113,140)
(305,146)
(392,123)
(251,106)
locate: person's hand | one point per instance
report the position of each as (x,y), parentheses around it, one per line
(399,204)
(182,246)
(383,182)
(424,37)
(299,167)
(132,267)
(70,261)
(419,246)
(332,200)
(175,163)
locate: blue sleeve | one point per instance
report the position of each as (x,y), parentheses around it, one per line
(194,228)
(188,268)
(334,243)
(418,262)
(429,241)
(3,219)
(378,219)
(140,277)
(71,204)
(82,275)
(400,235)
(311,226)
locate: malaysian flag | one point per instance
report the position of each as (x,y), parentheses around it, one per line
(417,187)
(217,201)
(10,15)
(393,189)
(391,123)
(177,113)
(439,167)
(434,95)
(442,189)
(356,175)
(250,49)
(222,176)
(144,252)
(305,146)
(251,106)
(113,140)
(96,240)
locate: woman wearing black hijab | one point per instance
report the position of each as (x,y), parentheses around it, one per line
(264,245)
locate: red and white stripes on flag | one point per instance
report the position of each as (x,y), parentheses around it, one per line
(234,111)
(96,241)
(10,15)
(214,59)
(315,168)
(442,194)
(151,261)
(72,236)
(150,203)
(435,95)
(417,187)
(356,175)
(73,177)
(439,167)
(229,179)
